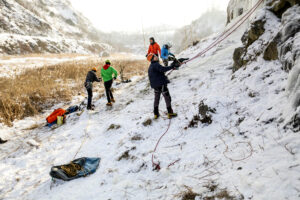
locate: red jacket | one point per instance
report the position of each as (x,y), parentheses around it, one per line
(155,49)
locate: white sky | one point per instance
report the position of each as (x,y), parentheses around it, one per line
(129,15)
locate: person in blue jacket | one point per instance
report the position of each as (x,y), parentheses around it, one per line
(165,53)
(159,82)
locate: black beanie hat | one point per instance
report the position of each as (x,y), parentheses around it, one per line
(152,38)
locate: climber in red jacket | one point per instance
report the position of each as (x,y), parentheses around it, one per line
(154,48)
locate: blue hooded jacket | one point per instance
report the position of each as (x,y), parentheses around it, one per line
(165,53)
(157,76)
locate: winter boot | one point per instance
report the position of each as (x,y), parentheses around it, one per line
(91,108)
(2,141)
(113,100)
(156,113)
(109,104)
(171,114)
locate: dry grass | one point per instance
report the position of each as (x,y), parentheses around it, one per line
(38,89)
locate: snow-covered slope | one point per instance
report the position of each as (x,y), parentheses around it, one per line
(245,153)
(210,22)
(35,26)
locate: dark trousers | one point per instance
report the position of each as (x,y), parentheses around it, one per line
(166,62)
(166,94)
(109,94)
(90,97)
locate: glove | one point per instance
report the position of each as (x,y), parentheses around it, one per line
(115,78)
(175,65)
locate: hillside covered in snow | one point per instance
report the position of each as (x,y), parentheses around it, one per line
(46,26)
(210,22)
(236,136)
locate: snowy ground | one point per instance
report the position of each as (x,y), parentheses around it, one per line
(244,150)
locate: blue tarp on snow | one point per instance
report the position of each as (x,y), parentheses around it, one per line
(87,166)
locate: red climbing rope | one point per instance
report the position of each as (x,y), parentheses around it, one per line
(223,35)
(219,39)
(156,166)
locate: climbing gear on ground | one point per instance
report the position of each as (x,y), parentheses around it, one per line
(53,116)
(71,169)
(60,120)
(72,109)
(80,167)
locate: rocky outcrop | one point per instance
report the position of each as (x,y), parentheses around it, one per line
(256,30)
(238,7)
(271,52)
(289,38)
(281,46)
(280,6)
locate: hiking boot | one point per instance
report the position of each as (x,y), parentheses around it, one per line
(109,104)
(2,141)
(90,108)
(156,116)
(172,115)
(113,100)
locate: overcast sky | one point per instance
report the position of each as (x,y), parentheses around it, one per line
(131,15)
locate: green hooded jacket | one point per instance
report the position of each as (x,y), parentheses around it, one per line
(107,73)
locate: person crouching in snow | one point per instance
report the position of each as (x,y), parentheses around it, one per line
(159,82)
(165,53)
(90,78)
(107,76)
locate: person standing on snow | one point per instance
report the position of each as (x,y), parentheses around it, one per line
(165,53)
(154,48)
(90,78)
(107,75)
(158,82)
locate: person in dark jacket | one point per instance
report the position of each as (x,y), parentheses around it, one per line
(159,82)
(90,78)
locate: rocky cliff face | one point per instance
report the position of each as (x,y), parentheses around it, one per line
(274,34)
(36,26)
(238,7)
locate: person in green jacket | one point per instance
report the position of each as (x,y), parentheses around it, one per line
(107,73)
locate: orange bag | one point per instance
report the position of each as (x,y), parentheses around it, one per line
(53,116)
